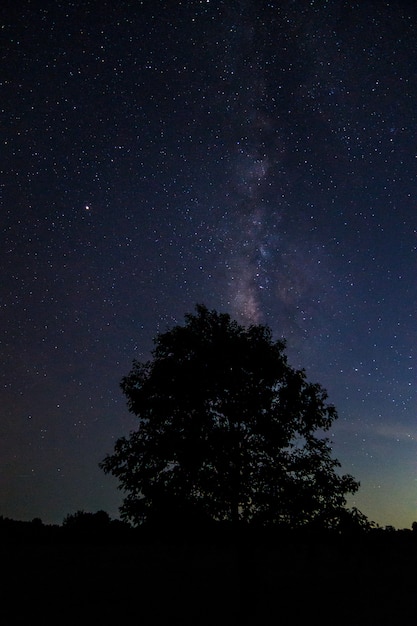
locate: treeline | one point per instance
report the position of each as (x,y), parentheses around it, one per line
(81,526)
(99,527)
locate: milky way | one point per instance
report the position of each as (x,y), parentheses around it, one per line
(265,265)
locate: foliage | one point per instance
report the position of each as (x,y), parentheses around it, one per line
(227,429)
(82,520)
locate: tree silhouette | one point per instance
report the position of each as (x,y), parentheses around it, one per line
(227,430)
(84,521)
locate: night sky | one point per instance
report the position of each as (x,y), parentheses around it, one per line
(257,157)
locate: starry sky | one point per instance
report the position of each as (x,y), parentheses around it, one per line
(257,157)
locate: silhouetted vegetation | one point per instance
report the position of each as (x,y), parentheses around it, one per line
(80,527)
(228,433)
(91,569)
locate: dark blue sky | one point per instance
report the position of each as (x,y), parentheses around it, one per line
(257,157)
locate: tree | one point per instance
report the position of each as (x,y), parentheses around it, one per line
(82,521)
(227,429)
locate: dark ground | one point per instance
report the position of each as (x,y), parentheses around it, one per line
(368,581)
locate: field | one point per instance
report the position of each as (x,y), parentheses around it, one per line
(369,582)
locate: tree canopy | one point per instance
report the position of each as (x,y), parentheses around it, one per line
(228,430)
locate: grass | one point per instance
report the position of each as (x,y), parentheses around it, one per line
(369,580)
